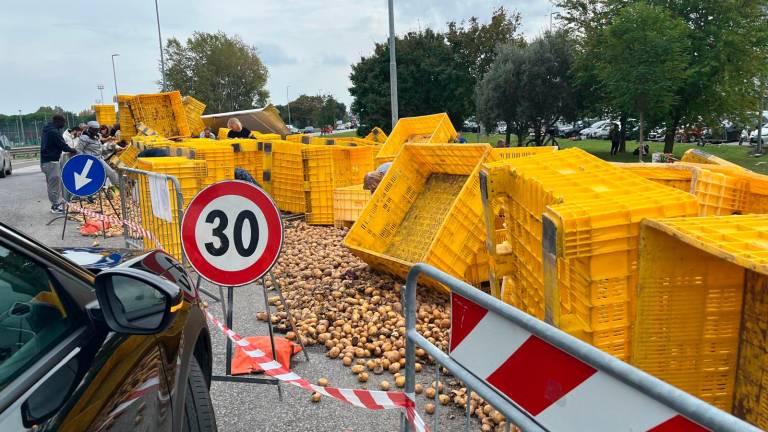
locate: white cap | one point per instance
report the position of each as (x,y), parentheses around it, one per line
(93,124)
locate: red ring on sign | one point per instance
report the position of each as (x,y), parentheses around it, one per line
(272,249)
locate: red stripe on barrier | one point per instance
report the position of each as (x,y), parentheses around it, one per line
(538,375)
(464,318)
(678,423)
(367,400)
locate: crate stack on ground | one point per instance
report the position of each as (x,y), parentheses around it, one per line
(127,121)
(327,167)
(348,204)
(105,114)
(283,175)
(219,156)
(702,309)
(427,208)
(428,129)
(249,155)
(590,211)
(162,112)
(193,110)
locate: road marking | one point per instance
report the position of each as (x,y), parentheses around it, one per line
(27,169)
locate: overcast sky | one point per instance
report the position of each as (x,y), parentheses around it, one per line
(57,52)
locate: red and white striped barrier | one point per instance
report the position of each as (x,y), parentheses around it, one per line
(372,400)
(558,390)
(111,219)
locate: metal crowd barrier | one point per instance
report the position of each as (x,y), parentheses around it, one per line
(137,209)
(612,383)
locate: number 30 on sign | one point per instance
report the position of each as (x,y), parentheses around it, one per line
(232,233)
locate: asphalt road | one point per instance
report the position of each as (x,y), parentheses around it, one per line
(239,407)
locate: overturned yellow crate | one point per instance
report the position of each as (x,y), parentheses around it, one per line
(283,175)
(428,129)
(673,175)
(193,110)
(702,310)
(326,168)
(504,153)
(127,121)
(162,112)
(427,208)
(105,114)
(702,157)
(348,204)
(377,135)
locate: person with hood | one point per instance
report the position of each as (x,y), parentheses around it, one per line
(90,144)
(52,145)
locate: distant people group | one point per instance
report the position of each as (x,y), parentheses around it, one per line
(58,145)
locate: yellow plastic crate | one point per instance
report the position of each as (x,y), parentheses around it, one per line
(702,157)
(283,175)
(296,138)
(427,208)
(105,114)
(718,193)
(697,325)
(162,112)
(327,168)
(223,132)
(355,142)
(219,156)
(348,203)
(190,173)
(129,155)
(249,155)
(127,121)
(678,176)
(377,135)
(504,153)
(428,129)
(143,142)
(265,136)
(193,110)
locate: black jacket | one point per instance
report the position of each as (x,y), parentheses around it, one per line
(52,144)
(244,133)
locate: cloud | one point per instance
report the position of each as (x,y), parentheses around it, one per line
(308,45)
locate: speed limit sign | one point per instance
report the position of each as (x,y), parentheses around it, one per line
(232,233)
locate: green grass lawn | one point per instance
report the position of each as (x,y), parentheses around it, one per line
(349,133)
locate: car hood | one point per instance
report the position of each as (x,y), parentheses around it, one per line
(97,259)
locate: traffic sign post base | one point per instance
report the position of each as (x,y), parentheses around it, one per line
(79,200)
(228,309)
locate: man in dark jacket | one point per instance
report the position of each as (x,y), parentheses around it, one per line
(52,145)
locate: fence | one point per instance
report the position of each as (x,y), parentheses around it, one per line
(154,202)
(542,379)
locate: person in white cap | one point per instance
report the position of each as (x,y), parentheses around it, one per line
(91,145)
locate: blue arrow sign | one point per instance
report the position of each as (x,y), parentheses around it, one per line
(83,175)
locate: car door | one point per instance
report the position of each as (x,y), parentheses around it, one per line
(60,369)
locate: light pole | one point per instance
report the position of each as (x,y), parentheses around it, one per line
(288,102)
(37,134)
(392,65)
(18,130)
(160,42)
(114,74)
(21,122)
(101,90)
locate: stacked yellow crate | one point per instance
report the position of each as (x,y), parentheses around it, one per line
(127,121)
(428,129)
(283,175)
(193,110)
(162,112)
(105,114)
(219,156)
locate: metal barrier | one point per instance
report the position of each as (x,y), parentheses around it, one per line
(20,151)
(579,387)
(136,194)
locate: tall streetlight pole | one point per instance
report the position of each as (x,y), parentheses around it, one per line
(392,64)
(160,42)
(114,74)
(18,130)
(288,102)
(101,90)
(37,134)
(21,122)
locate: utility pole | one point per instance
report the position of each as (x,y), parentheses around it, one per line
(392,65)
(21,122)
(101,91)
(288,102)
(18,130)
(37,134)
(160,42)
(114,74)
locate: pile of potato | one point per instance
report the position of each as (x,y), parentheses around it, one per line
(113,229)
(356,313)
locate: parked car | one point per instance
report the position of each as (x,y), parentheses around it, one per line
(309,129)
(565,130)
(340,126)
(589,132)
(470,125)
(764,134)
(6,166)
(96,340)
(604,131)
(501,127)
(292,129)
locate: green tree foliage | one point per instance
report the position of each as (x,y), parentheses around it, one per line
(643,61)
(498,94)
(728,43)
(437,72)
(34,122)
(221,70)
(318,111)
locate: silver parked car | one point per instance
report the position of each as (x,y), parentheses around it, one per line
(6,166)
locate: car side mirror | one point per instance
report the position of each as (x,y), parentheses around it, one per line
(136,302)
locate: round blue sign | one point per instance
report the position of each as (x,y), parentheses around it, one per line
(83,175)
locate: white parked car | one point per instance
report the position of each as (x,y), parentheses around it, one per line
(590,132)
(292,129)
(604,131)
(753,135)
(6,167)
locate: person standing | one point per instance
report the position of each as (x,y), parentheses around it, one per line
(236,129)
(206,133)
(90,144)
(615,137)
(52,145)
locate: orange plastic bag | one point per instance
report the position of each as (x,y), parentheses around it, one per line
(242,364)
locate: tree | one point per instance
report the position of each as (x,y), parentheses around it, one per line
(728,44)
(498,94)
(329,112)
(221,70)
(643,61)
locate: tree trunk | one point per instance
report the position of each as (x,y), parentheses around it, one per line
(669,136)
(642,125)
(508,134)
(623,132)
(537,134)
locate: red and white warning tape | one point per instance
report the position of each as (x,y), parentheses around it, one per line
(111,219)
(373,400)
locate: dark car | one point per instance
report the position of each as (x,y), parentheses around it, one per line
(120,344)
